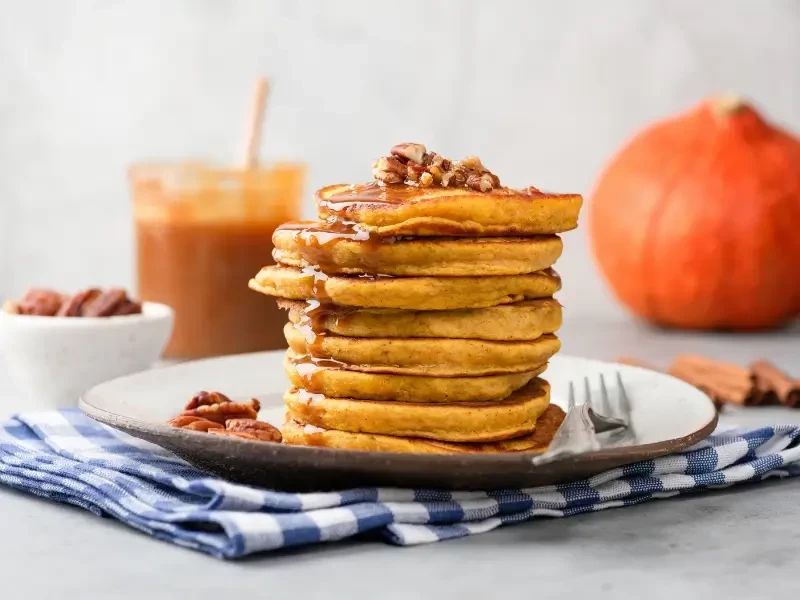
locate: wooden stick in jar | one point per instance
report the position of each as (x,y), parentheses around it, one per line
(255,129)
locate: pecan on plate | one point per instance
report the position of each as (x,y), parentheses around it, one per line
(194,423)
(260,429)
(206,399)
(224,411)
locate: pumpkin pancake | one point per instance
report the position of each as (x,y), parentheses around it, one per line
(338,248)
(400,209)
(427,356)
(414,293)
(308,435)
(343,383)
(526,320)
(463,422)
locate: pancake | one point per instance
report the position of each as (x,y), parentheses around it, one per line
(342,383)
(526,320)
(307,435)
(400,209)
(463,422)
(414,293)
(427,356)
(342,249)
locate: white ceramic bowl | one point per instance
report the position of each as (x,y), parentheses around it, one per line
(53,360)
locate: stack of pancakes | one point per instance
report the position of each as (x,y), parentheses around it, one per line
(421,311)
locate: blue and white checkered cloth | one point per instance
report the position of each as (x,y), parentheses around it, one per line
(67,457)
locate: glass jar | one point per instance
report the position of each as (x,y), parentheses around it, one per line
(201,234)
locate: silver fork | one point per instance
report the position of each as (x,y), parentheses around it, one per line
(592,425)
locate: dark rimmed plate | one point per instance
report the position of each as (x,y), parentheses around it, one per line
(668,415)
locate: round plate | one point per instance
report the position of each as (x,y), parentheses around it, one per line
(667,415)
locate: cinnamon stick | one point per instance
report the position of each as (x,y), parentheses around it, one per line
(771,380)
(723,382)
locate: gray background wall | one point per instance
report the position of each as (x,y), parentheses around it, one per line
(543,91)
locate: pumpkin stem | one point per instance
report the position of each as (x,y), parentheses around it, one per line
(727,104)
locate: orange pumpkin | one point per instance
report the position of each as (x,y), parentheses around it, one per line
(696,221)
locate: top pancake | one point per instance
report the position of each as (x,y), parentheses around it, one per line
(402,209)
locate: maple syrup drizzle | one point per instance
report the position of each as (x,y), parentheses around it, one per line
(315,241)
(310,369)
(318,285)
(309,398)
(372,192)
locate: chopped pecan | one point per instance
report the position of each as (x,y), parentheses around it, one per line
(471,163)
(437,173)
(206,399)
(73,305)
(484,182)
(260,429)
(413,165)
(220,413)
(412,152)
(414,171)
(389,170)
(39,302)
(194,423)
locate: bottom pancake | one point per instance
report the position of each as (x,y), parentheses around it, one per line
(307,435)
(462,422)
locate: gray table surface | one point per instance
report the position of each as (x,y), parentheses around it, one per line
(736,543)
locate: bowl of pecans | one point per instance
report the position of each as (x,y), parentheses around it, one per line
(55,346)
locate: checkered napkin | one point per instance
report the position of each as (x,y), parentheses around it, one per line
(67,457)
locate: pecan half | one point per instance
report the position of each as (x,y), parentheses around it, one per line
(39,302)
(220,413)
(73,305)
(128,307)
(206,399)
(194,423)
(105,304)
(260,429)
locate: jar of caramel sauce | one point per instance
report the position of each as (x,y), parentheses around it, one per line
(201,234)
